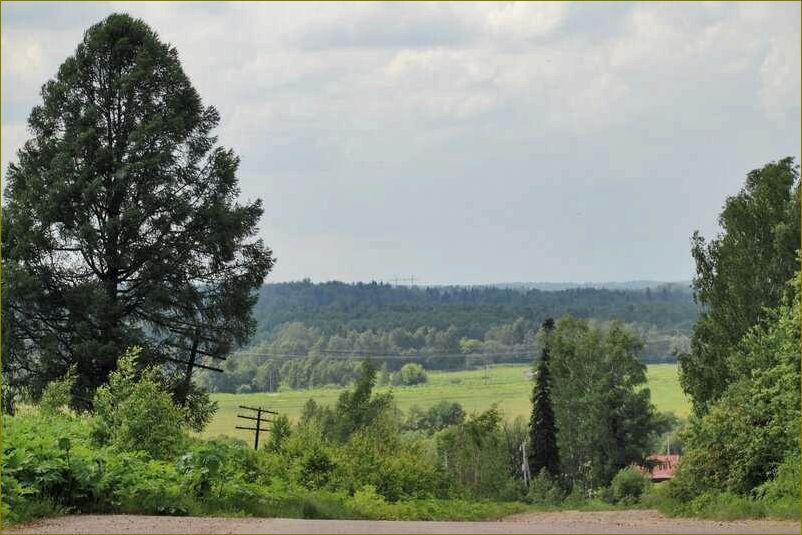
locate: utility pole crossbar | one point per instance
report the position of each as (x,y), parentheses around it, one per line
(257,409)
(259,419)
(252,418)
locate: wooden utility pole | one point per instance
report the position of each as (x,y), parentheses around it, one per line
(525,465)
(260,419)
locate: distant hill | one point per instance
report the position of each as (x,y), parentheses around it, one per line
(337,306)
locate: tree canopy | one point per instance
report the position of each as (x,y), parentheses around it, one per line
(741,274)
(122,224)
(602,407)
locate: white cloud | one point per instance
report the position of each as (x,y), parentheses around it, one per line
(780,77)
(525,20)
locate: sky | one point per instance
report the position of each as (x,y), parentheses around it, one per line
(467,143)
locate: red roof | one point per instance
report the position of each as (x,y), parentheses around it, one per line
(661,467)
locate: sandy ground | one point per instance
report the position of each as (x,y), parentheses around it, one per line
(561,522)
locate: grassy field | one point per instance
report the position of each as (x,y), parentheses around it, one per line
(508,386)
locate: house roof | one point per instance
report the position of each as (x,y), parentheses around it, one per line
(661,467)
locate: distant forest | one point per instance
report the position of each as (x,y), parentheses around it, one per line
(336,306)
(310,334)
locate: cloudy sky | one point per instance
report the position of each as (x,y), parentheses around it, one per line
(468,143)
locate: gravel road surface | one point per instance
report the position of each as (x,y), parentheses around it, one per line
(558,522)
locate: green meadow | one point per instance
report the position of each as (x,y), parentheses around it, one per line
(508,386)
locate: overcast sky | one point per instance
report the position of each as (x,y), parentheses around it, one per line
(468,143)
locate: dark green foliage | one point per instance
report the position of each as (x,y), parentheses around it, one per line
(740,273)
(335,306)
(783,487)
(544,454)
(398,470)
(743,369)
(121,224)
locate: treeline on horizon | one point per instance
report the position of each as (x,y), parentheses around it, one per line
(313,334)
(333,306)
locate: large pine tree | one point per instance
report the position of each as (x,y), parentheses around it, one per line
(543,430)
(121,221)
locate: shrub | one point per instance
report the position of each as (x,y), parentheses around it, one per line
(51,464)
(724,506)
(316,467)
(138,415)
(785,483)
(145,486)
(476,454)
(745,435)
(368,503)
(58,394)
(781,494)
(280,430)
(629,484)
(410,374)
(436,417)
(544,490)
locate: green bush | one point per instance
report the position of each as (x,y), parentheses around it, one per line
(138,414)
(410,374)
(747,433)
(397,470)
(368,503)
(629,484)
(58,394)
(437,417)
(544,490)
(784,484)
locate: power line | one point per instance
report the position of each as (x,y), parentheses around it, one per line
(515,349)
(354,356)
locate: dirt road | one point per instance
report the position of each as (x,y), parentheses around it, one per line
(561,522)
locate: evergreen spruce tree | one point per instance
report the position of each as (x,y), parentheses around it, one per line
(543,431)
